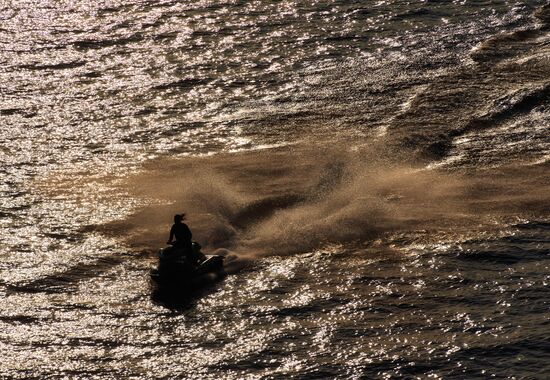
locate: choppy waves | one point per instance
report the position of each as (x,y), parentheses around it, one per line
(383,164)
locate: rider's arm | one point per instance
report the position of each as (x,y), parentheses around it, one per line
(188,232)
(171,235)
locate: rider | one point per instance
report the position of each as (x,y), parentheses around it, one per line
(183,235)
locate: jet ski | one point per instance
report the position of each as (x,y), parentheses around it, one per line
(179,272)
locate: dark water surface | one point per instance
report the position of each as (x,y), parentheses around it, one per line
(375,171)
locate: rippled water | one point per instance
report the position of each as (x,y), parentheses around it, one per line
(376,172)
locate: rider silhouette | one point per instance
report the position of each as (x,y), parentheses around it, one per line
(182,233)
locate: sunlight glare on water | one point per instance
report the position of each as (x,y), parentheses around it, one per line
(375,173)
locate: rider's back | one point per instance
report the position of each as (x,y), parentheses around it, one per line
(182,233)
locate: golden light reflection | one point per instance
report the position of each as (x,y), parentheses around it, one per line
(93,91)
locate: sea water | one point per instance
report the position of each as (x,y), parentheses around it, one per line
(376,173)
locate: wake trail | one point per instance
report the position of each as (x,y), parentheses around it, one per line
(285,201)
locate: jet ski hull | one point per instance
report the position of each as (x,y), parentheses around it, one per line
(180,278)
